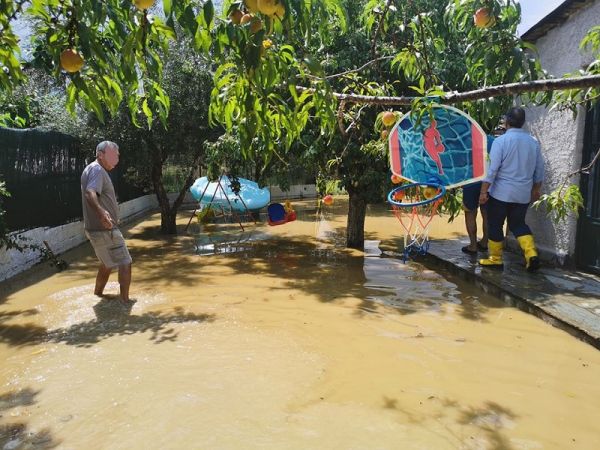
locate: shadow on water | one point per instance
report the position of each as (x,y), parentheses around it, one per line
(489,421)
(112,319)
(492,419)
(24,397)
(20,334)
(18,435)
(332,272)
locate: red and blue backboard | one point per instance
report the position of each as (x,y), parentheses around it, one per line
(450,148)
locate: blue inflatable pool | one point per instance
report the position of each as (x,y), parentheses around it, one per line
(253,196)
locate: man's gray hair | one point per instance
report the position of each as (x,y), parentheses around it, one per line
(104,145)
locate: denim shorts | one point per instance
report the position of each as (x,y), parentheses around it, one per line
(110,247)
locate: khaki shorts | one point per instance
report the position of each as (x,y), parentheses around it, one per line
(110,247)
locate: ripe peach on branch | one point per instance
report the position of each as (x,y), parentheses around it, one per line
(483,18)
(71,60)
(236,16)
(267,7)
(143,4)
(429,192)
(396,179)
(398,196)
(388,118)
(251,5)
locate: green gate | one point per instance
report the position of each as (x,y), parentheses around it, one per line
(42,171)
(588,232)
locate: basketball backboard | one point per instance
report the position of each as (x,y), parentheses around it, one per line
(450,148)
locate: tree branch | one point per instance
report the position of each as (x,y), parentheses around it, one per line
(428,68)
(340,117)
(355,120)
(379,25)
(341,74)
(586,169)
(479,94)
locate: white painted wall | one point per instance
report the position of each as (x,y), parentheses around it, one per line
(295,191)
(559,133)
(64,237)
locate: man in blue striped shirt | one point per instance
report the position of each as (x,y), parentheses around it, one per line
(514,179)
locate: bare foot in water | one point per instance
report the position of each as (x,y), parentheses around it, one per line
(127,303)
(116,297)
(107,296)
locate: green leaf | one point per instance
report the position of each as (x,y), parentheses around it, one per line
(147,112)
(167,7)
(209,12)
(313,65)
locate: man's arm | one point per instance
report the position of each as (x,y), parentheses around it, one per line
(483,194)
(536,191)
(494,165)
(91,197)
(538,176)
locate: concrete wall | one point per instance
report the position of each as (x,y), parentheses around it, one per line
(295,191)
(559,133)
(63,238)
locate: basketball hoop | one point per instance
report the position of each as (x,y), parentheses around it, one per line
(415,205)
(445,149)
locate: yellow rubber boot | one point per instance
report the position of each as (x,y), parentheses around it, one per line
(532,262)
(495,255)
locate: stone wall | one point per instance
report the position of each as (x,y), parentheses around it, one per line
(559,132)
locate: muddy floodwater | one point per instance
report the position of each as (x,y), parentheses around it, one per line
(279,338)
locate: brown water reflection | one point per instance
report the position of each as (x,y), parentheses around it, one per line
(281,338)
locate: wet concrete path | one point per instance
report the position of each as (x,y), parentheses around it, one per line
(567,299)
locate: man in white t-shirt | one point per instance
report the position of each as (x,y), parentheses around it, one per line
(101,219)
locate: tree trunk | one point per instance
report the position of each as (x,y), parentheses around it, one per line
(168,223)
(167,214)
(355,230)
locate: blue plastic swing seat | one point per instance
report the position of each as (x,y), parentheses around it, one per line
(250,197)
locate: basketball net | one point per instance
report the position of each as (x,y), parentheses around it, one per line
(415,220)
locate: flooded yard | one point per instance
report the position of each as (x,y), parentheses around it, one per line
(280,338)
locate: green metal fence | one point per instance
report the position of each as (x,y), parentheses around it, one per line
(42,171)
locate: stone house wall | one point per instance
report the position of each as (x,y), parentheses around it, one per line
(559,132)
